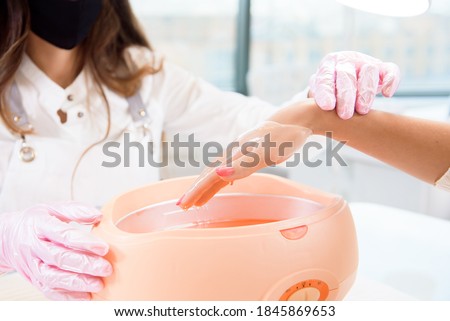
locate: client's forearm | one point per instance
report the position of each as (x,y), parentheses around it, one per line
(417,146)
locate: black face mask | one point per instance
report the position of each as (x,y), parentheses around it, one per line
(64,23)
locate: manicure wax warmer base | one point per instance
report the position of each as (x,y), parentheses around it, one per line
(262,238)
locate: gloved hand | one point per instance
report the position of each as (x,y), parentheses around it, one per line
(349,81)
(61,260)
(267,145)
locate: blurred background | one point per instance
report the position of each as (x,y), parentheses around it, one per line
(270,48)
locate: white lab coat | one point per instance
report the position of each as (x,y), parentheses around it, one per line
(176,101)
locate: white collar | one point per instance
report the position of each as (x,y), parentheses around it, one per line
(50,94)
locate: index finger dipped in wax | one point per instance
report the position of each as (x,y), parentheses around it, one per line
(253,156)
(202,186)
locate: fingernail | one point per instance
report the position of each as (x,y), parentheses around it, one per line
(180,200)
(108,270)
(390,92)
(364,109)
(225,171)
(97,286)
(345,115)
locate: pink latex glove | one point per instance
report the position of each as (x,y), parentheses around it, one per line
(285,140)
(61,260)
(349,81)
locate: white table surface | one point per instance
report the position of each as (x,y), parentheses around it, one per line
(409,252)
(403,256)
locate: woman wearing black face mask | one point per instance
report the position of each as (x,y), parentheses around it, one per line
(64,74)
(75,74)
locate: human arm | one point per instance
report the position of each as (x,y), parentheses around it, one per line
(345,81)
(194,106)
(418,147)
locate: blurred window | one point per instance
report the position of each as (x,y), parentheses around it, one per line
(198,35)
(289,37)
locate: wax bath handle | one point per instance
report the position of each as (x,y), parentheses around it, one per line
(295,233)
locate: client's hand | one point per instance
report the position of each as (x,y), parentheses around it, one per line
(267,145)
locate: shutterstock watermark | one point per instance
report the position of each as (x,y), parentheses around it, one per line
(184,152)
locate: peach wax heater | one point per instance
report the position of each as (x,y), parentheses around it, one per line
(262,238)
